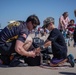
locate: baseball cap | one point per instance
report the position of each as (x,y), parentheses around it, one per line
(48,20)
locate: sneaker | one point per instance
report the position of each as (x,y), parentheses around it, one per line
(17,63)
(71,60)
(75,60)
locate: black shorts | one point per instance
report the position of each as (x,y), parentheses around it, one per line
(7,48)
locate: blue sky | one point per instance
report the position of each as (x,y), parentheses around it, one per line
(21,9)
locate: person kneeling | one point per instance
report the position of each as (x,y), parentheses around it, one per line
(57,42)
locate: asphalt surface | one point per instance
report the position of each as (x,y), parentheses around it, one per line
(37,70)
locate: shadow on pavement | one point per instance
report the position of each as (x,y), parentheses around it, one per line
(67,73)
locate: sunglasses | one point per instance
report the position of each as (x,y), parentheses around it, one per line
(34,26)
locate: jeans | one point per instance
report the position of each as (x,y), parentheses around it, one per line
(6,50)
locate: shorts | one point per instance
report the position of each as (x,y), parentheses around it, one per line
(56,60)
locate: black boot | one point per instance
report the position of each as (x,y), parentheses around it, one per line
(5,59)
(18,62)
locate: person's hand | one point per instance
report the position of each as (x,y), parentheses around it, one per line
(37,51)
(31,54)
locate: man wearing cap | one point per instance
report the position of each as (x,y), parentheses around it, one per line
(58,45)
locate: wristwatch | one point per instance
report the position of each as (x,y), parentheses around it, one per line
(42,47)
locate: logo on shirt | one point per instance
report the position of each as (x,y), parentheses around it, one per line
(13,38)
(14,24)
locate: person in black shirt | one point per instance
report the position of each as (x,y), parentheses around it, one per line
(74,37)
(14,36)
(57,42)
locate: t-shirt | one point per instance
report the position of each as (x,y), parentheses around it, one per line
(59,47)
(14,31)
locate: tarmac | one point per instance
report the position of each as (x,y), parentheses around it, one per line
(38,70)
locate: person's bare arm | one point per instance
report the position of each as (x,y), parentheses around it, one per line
(46,44)
(20,50)
(61,22)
